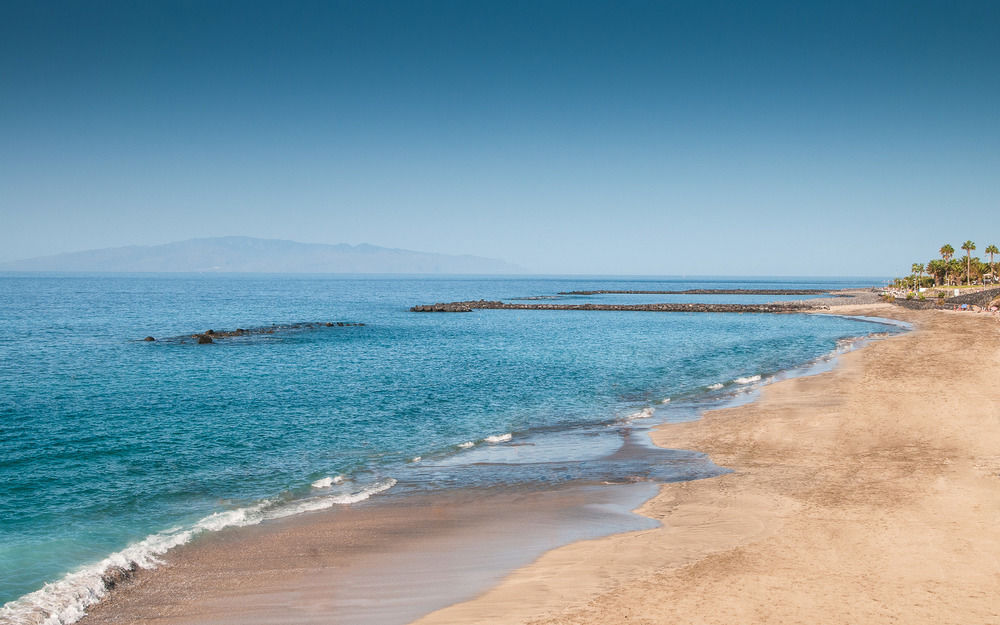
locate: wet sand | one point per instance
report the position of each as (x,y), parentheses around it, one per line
(868,494)
(379,562)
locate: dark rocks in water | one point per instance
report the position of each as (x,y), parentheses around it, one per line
(780,307)
(115,575)
(212,336)
(149,339)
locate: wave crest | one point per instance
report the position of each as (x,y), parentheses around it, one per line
(645,413)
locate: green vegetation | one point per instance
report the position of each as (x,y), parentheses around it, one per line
(948,271)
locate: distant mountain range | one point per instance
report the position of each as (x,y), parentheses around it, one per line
(249,255)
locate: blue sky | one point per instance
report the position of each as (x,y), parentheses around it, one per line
(844,138)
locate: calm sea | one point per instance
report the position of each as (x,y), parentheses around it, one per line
(113,449)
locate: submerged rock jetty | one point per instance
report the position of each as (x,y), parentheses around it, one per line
(705,292)
(469,306)
(210,336)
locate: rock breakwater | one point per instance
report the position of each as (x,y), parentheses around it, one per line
(469,306)
(704,292)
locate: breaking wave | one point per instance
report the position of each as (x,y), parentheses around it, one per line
(645,413)
(65,601)
(327,482)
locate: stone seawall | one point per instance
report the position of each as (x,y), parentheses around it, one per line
(982,298)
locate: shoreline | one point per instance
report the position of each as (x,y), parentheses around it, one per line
(125,582)
(833,513)
(121,605)
(379,562)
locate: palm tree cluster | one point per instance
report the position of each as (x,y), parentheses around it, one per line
(949,271)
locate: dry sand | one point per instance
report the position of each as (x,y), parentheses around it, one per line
(869,494)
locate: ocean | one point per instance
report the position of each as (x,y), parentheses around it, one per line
(114,449)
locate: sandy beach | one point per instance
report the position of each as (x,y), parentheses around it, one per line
(867,494)
(499,313)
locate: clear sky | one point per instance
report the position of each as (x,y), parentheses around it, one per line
(736,138)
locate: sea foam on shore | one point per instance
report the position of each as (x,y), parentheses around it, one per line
(65,601)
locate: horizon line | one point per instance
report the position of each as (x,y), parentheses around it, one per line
(519,276)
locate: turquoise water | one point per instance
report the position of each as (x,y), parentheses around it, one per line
(106,440)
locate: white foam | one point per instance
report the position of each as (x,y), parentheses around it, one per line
(748,380)
(849,344)
(416,459)
(327,482)
(66,601)
(322,503)
(715,387)
(466,445)
(665,400)
(498,438)
(645,413)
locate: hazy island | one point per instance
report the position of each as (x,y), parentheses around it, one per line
(252,255)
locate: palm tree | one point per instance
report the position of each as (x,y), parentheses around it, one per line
(917,268)
(955,269)
(937,268)
(991,250)
(968,246)
(946,252)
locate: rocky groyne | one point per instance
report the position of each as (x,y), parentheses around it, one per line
(705,292)
(469,306)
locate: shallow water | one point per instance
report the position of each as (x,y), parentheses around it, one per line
(106,440)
